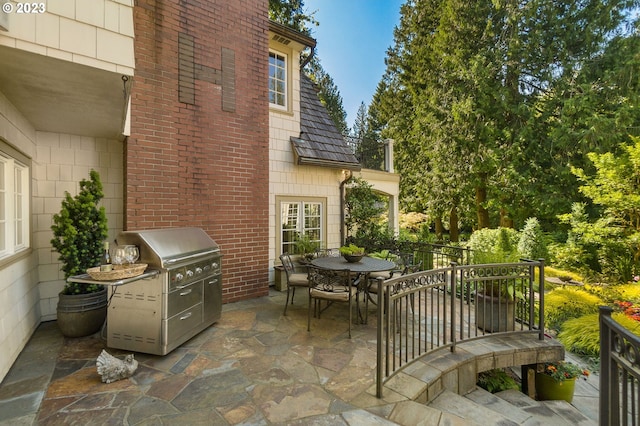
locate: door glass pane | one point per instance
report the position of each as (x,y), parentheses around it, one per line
(290,221)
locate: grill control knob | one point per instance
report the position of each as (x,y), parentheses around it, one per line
(198,270)
(179,276)
(214,265)
(189,273)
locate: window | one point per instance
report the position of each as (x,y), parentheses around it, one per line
(298,218)
(278,80)
(14,204)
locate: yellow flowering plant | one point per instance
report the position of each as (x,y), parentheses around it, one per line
(563,370)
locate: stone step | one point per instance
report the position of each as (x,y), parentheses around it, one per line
(547,411)
(469,411)
(510,407)
(511,411)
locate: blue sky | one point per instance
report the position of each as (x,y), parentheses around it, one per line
(353,38)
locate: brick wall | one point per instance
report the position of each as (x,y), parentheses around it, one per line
(198,154)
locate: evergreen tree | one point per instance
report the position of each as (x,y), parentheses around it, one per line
(490,102)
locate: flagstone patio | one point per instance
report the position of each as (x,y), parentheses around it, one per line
(255,366)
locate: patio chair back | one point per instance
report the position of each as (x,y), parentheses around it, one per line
(331,286)
(294,279)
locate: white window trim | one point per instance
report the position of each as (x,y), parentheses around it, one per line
(287,82)
(281,200)
(17,190)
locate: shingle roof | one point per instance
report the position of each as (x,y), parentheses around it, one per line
(320,143)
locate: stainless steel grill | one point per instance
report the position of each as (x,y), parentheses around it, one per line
(157,314)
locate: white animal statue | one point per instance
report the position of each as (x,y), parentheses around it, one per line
(111,368)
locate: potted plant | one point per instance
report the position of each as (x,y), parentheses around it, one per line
(305,248)
(352,253)
(496,298)
(556,380)
(495,306)
(79,231)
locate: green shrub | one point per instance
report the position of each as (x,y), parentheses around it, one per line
(582,335)
(562,304)
(531,244)
(496,380)
(497,245)
(412,221)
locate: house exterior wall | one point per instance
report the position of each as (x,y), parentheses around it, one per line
(286,178)
(98,34)
(30,283)
(199,145)
(19,298)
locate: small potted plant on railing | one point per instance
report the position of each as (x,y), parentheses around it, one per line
(352,253)
(556,380)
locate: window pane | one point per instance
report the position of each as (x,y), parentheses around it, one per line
(289,231)
(314,234)
(277,79)
(14,205)
(288,241)
(18,213)
(300,218)
(312,223)
(312,209)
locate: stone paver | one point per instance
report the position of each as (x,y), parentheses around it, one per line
(255,366)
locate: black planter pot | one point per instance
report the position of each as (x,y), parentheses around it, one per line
(82,314)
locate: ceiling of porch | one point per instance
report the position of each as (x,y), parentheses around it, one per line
(56,95)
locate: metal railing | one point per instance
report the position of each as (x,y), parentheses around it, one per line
(371,154)
(428,310)
(619,372)
(440,255)
(432,255)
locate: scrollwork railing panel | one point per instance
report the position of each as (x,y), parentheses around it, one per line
(436,308)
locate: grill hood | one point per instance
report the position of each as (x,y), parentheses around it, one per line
(165,248)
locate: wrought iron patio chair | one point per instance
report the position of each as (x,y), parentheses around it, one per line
(331,286)
(405,263)
(294,279)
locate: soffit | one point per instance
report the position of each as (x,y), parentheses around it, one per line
(55,95)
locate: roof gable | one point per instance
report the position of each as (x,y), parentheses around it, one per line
(320,143)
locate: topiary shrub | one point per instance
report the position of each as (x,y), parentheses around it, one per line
(582,335)
(79,232)
(531,244)
(562,304)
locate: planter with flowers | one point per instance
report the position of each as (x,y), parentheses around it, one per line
(556,380)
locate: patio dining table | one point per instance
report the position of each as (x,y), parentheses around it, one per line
(362,268)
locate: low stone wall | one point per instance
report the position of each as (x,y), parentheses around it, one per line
(427,377)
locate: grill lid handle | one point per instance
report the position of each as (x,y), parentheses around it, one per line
(191,256)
